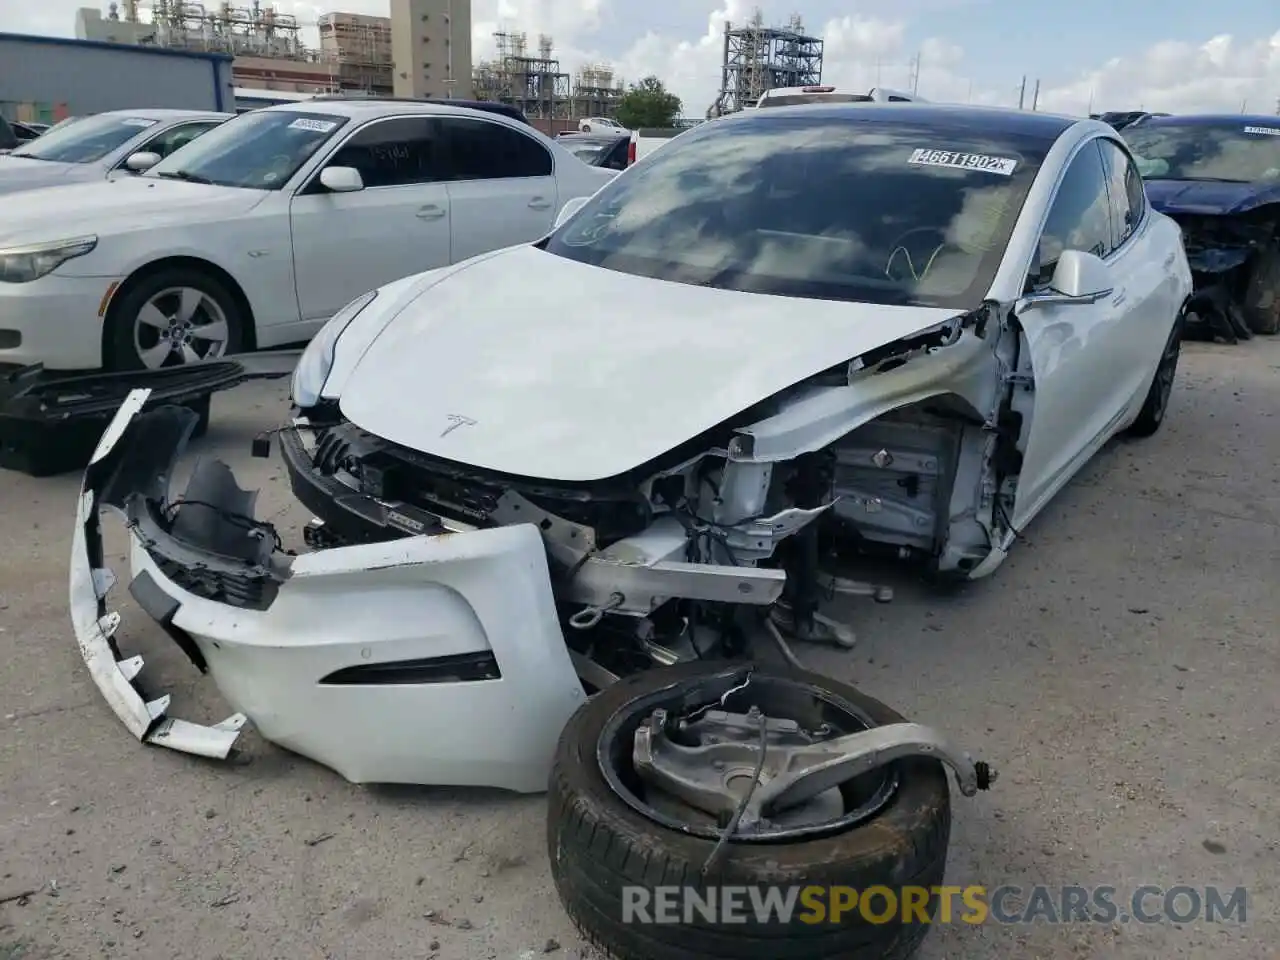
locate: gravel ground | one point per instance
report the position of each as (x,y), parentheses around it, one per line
(1120,671)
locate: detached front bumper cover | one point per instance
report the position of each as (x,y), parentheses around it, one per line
(95,626)
(432,659)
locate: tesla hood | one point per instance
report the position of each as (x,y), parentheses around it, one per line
(529,364)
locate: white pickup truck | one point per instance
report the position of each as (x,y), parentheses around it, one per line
(793,96)
(648,139)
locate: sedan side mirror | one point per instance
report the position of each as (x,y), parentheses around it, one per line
(1078,278)
(342,179)
(570,208)
(142,161)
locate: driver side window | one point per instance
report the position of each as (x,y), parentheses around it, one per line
(1079,218)
(176,137)
(393,153)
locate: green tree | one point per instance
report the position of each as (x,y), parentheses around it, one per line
(648,104)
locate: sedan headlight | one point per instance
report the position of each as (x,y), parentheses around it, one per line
(317,360)
(24,264)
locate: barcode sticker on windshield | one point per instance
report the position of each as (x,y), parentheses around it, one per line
(138,122)
(1004,166)
(1264,131)
(319,126)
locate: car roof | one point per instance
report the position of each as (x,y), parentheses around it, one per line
(1213,120)
(943,116)
(148,113)
(364,108)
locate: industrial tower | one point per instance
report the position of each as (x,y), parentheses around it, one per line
(758,58)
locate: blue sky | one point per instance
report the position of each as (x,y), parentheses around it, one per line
(1120,50)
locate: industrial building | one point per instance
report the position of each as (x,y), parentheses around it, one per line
(422,49)
(431,48)
(758,58)
(46,79)
(534,81)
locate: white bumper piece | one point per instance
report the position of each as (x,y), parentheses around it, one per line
(426,660)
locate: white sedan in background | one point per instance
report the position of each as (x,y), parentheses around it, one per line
(260,231)
(102,147)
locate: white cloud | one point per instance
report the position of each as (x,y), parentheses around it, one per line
(1220,74)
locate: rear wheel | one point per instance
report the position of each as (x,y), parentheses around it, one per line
(611,835)
(172,318)
(1156,405)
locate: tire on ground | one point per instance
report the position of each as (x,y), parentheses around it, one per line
(598,845)
(119,352)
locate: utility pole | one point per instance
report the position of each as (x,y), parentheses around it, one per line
(915,76)
(1035,97)
(969,98)
(1090,110)
(1022,92)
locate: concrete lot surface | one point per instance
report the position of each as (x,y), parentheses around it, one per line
(1121,672)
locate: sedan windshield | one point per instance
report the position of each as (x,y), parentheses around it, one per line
(260,150)
(1243,152)
(86,140)
(822,207)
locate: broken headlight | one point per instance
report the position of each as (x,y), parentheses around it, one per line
(317,360)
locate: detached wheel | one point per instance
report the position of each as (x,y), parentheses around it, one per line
(609,829)
(1261,306)
(1156,404)
(172,318)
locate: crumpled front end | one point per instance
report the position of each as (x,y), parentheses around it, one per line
(1234,255)
(431,659)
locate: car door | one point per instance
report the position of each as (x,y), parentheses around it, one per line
(502,185)
(1146,287)
(346,244)
(1076,352)
(163,143)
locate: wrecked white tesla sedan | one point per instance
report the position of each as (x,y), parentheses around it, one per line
(636,442)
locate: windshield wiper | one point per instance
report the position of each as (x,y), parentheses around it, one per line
(185,175)
(1202,179)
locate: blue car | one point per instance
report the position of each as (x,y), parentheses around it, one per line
(1218,176)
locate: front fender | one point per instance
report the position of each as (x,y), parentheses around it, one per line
(818,416)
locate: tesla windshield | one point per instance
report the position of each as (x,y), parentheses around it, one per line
(827,206)
(260,150)
(1240,151)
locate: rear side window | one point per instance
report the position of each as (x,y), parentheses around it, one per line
(482,150)
(1080,218)
(393,153)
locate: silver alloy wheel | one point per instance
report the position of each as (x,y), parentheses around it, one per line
(182,323)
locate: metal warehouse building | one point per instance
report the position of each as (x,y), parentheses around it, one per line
(44,79)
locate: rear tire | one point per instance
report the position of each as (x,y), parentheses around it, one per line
(128,336)
(1156,404)
(598,844)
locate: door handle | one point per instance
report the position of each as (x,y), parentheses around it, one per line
(430,212)
(539,203)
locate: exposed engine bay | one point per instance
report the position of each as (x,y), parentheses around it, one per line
(1235,264)
(684,557)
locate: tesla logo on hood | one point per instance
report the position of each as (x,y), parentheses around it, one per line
(457,420)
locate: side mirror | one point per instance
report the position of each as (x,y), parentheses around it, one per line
(1078,278)
(143,161)
(570,208)
(342,179)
